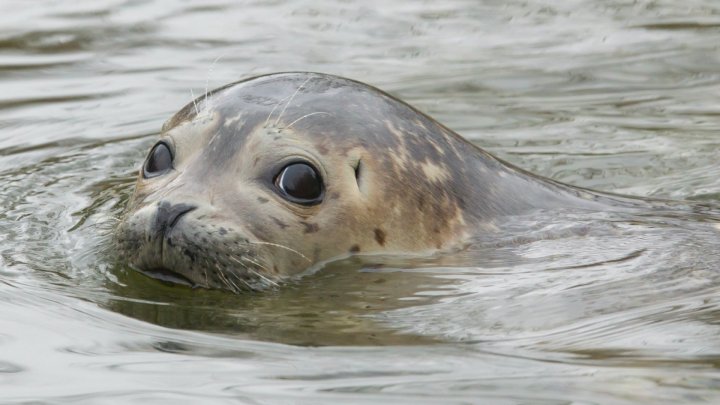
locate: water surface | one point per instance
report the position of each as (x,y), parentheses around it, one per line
(621,96)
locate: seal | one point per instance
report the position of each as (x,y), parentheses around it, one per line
(265,178)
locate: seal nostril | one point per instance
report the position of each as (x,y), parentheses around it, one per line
(169,214)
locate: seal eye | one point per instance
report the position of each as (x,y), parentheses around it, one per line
(158,161)
(300,183)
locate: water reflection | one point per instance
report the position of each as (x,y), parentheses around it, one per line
(334,306)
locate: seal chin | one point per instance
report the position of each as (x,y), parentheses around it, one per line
(156,266)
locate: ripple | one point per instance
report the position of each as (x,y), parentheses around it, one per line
(579,308)
(9,368)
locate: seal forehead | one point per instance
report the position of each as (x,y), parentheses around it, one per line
(280,95)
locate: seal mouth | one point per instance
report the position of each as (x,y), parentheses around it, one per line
(167,275)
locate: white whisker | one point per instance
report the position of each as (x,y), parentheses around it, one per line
(273,109)
(229,283)
(246,283)
(282,247)
(267,280)
(197,112)
(291,99)
(207,80)
(271,282)
(305,116)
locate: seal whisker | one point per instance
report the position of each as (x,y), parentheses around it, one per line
(205,267)
(214,265)
(197,112)
(305,116)
(273,110)
(245,268)
(207,79)
(256,273)
(281,246)
(247,285)
(237,260)
(104,226)
(227,282)
(263,278)
(291,99)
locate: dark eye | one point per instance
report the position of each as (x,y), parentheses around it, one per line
(158,161)
(300,183)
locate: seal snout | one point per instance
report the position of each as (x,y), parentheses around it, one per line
(168,215)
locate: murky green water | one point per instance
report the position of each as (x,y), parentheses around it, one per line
(621,96)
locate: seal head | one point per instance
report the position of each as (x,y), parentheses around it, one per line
(264,178)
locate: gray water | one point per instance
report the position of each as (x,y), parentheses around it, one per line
(620,96)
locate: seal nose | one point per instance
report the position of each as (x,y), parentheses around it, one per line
(169,214)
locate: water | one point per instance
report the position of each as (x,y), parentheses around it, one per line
(617,95)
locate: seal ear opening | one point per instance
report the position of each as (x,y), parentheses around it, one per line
(358,173)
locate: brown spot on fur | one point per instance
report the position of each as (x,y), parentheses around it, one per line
(354,248)
(335,195)
(420,202)
(380,236)
(280,223)
(262,200)
(322,149)
(257,159)
(310,227)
